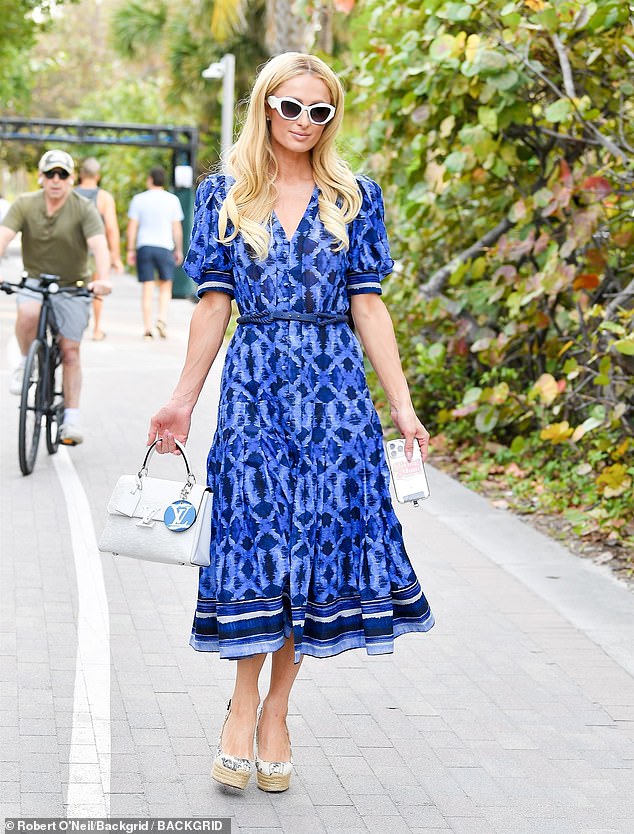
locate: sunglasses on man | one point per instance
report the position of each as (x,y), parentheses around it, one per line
(291,109)
(60,172)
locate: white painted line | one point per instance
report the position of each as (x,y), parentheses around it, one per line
(90,738)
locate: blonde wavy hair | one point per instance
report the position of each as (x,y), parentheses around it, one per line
(250,200)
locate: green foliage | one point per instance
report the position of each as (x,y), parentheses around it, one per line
(20,21)
(182,45)
(588,485)
(74,74)
(137,23)
(71,61)
(502,133)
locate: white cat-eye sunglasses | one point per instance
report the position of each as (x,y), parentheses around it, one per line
(291,109)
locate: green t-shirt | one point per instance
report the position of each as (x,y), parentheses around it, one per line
(56,243)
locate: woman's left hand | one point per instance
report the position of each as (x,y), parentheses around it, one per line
(411,429)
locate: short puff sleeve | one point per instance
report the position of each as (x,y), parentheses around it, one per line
(369,260)
(208,261)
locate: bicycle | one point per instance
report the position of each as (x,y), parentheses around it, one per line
(42,395)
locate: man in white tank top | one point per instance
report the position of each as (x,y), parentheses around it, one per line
(89,176)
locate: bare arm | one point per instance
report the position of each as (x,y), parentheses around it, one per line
(6,236)
(131,233)
(99,248)
(206,332)
(108,211)
(376,332)
(177,232)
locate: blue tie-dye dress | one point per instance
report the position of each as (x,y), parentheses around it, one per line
(304,538)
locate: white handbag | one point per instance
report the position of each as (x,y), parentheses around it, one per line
(158,520)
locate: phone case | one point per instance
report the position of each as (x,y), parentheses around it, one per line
(408,476)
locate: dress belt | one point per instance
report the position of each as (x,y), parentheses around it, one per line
(269,316)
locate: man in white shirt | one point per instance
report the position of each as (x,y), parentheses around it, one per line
(155,246)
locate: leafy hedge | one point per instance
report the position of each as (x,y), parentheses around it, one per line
(502,135)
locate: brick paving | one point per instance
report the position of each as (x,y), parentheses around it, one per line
(515,715)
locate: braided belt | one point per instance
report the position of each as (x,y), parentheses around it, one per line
(269,316)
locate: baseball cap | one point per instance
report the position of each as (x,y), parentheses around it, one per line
(56,159)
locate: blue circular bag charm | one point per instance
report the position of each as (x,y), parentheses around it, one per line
(179,516)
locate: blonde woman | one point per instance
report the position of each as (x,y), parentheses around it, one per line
(307,555)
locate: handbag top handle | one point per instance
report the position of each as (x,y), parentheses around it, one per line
(191,478)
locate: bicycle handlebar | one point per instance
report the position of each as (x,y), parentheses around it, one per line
(47,282)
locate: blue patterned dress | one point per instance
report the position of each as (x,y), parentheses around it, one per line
(304,538)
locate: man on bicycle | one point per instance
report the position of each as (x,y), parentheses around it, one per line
(58,228)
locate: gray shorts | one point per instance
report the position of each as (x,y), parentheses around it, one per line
(72,314)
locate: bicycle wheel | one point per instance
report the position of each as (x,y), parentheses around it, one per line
(32,406)
(55,410)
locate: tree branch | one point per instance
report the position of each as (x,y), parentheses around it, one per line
(510,48)
(621,131)
(620,300)
(607,143)
(566,136)
(434,285)
(564,63)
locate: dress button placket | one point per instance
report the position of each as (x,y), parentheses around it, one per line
(285,326)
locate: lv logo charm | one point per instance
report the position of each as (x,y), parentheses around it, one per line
(179,516)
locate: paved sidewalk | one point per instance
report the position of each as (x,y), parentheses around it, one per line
(514,715)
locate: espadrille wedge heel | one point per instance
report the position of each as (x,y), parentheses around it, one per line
(273,777)
(230,770)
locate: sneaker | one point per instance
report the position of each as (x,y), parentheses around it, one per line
(162,329)
(15,383)
(148,336)
(71,435)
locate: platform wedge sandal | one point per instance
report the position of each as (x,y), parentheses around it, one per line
(230,770)
(273,777)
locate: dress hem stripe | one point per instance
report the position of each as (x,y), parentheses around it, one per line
(383,644)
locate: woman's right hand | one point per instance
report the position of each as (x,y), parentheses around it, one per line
(170,422)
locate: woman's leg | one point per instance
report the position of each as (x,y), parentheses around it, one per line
(273,743)
(237,736)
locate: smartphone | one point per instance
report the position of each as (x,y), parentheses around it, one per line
(408,476)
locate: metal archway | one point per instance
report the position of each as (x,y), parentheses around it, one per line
(181,140)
